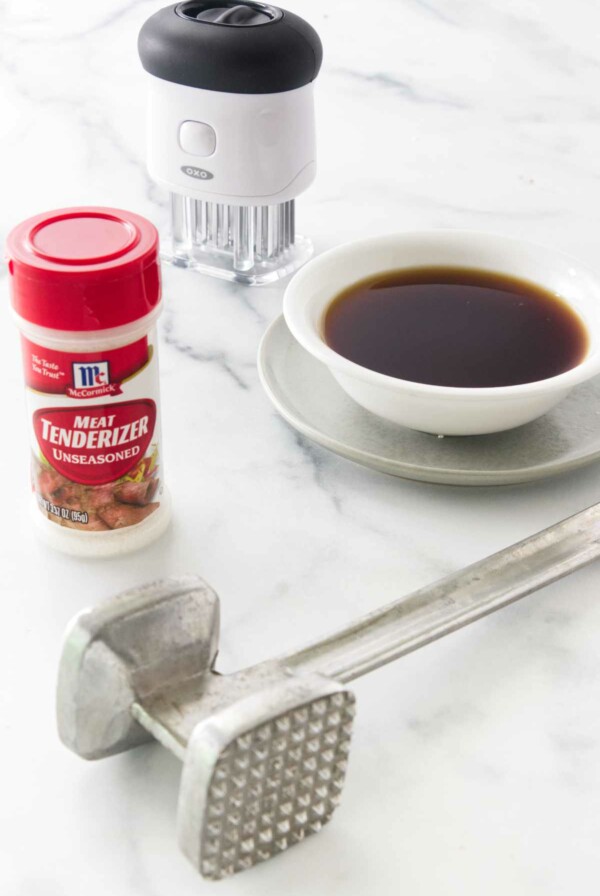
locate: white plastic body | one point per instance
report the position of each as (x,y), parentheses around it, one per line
(116,541)
(265,143)
(443,410)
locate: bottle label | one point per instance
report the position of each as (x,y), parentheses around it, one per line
(95,434)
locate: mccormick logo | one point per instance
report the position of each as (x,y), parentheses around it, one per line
(91,379)
(86,375)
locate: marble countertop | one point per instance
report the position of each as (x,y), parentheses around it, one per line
(476,761)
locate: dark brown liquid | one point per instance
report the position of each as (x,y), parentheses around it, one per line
(454,327)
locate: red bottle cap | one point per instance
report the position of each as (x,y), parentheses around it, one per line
(88,268)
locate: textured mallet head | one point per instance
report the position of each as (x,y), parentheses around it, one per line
(276,784)
(273,784)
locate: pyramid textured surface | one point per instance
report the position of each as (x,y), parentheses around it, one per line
(276,784)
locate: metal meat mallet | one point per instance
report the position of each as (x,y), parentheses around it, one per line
(265,749)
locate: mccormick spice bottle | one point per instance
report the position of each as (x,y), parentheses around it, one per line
(85,289)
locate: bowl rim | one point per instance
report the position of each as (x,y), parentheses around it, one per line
(296,317)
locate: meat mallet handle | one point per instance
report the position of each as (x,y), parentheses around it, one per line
(455,601)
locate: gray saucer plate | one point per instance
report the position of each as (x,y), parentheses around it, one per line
(307,396)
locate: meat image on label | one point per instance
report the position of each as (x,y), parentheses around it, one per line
(97,508)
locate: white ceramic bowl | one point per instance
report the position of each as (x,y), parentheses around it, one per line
(443,410)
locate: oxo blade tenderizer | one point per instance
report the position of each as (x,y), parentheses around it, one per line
(231,133)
